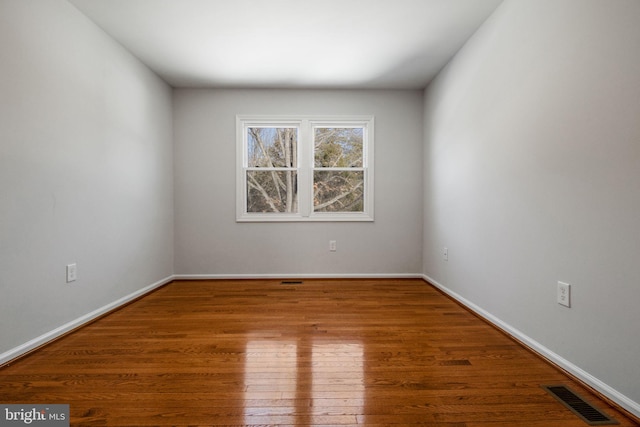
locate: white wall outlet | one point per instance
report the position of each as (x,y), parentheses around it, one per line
(333,245)
(72,273)
(564,294)
(445,254)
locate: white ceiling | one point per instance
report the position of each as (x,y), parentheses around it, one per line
(395,44)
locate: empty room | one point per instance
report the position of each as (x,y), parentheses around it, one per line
(305,212)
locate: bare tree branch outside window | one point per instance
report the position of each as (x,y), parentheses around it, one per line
(338,179)
(275,188)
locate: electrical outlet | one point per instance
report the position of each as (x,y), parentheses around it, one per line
(333,246)
(564,294)
(72,273)
(445,254)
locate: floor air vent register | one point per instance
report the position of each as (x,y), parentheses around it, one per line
(579,406)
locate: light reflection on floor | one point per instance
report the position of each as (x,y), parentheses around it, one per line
(299,382)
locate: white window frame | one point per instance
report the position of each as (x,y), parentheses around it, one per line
(305,126)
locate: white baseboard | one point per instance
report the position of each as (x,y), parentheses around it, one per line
(20,350)
(295,276)
(607,391)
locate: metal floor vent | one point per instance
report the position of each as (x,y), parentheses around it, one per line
(291,282)
(578,406)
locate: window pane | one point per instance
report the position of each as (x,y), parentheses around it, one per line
(338,191)
(272,147)
(338,147)
(272,191)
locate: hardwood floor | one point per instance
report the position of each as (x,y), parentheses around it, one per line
(354,352)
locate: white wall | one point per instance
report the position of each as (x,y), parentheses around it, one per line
(85,170)
(210,242)
(532,166)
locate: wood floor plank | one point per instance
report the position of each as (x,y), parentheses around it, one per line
(324,352)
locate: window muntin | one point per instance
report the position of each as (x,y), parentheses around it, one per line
(304,168)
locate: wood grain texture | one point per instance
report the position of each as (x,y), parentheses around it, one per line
(324,352)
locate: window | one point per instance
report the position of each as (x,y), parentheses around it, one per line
(304,168)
